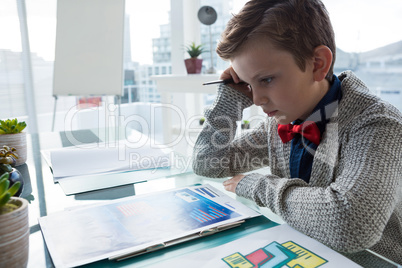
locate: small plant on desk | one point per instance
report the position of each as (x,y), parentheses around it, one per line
(194,64)
(11,182)
(245,124)
(6,193)
(11,126)
(14,224)
(202,120)
(194,50)
(12,135)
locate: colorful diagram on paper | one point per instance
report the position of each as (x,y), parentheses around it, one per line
(169,214)
(276,255)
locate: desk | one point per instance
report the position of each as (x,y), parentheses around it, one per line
(49,198)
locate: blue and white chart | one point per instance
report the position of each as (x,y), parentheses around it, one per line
(79,236)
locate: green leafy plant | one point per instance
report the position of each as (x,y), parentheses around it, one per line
(11,126)
(6,193)
(194,51)
(7,159)
(202,120)
(245,124)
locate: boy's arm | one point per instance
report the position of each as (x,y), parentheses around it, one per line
(351,213)
(216,153)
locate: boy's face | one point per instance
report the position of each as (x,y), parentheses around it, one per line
(277,84)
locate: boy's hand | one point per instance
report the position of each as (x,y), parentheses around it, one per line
(231,184)
(238,84)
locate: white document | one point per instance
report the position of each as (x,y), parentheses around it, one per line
(279,246)
(102,158)
(134,225)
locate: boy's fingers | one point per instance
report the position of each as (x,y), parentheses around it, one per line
(230,73)
(234,75)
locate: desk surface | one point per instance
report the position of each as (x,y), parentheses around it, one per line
(50,198)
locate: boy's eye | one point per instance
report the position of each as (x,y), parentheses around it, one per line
(267,80)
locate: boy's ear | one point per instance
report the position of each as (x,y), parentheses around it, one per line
(322,61)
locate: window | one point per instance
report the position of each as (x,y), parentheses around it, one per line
(370,44)
(41,18)
(368,41)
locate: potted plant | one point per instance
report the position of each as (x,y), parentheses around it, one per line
(194,64)
(14,224)
(202,120)
(245,124)
(11,135)
(8,159)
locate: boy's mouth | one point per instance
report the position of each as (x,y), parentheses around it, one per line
(272,113)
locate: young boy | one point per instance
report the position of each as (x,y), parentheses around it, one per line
(333,148)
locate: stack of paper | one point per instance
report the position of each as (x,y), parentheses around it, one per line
(102,158)
(93,165)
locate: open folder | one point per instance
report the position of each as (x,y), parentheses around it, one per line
(132,226)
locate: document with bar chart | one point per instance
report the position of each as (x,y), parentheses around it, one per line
(139,224)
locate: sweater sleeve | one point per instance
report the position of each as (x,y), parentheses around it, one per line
(217,153)
(351,213)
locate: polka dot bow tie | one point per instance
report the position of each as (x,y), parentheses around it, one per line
(308,129)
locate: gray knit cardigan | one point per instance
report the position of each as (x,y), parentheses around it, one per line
(354,198)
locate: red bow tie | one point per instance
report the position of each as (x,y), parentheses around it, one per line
(308,129)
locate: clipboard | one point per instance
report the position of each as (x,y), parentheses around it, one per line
(133,226)
(176,241)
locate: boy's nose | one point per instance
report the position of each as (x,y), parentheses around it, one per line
(258,99)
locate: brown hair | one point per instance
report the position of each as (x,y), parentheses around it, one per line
(296,26)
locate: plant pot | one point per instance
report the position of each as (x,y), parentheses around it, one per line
(245,126)
(193,65)
(17,141)
(14,235)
